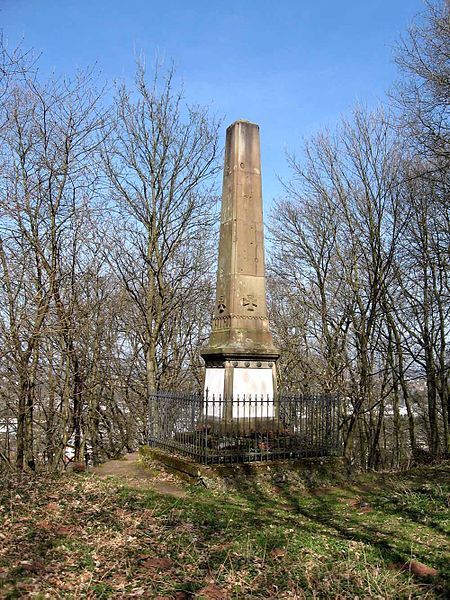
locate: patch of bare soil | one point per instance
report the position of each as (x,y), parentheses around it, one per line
(130,471)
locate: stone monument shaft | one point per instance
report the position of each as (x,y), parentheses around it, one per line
(240,336)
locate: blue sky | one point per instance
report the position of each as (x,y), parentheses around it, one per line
(293,67)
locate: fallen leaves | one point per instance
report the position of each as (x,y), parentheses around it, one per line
(68,530)
(419,569)
(79,536)
(212,592)
(44,525)
(35,567)
(278,553)
(157,564)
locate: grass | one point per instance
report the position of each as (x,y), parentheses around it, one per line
(82,537)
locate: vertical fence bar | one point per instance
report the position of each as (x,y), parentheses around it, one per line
(270,415)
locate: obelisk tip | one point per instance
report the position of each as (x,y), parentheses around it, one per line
(244,122)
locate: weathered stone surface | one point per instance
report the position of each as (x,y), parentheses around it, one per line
(240,355)
(304,472)
(240,327)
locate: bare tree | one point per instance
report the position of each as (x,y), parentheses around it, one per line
(424,101)
(159,164)
(423,55)
(335,235)
(47,142)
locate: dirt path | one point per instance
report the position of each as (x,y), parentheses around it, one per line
(131,472)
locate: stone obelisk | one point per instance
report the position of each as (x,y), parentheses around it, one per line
(240,356)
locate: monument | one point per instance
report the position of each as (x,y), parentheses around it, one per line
(240,356)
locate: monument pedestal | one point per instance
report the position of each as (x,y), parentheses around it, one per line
(241,390)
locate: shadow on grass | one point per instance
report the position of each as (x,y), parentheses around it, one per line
(392,526)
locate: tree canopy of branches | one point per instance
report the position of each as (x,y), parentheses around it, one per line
(423,95)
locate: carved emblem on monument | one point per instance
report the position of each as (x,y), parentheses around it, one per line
(221,306)
(249,302)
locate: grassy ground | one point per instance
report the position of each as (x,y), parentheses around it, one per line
(84,537)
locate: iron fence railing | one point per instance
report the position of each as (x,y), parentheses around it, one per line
(244,428)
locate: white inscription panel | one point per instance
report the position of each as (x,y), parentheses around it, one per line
(214,386)
(257,387)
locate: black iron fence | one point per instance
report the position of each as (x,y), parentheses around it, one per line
(244,428)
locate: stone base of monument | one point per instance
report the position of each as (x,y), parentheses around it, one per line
(244,428)
(308,472)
